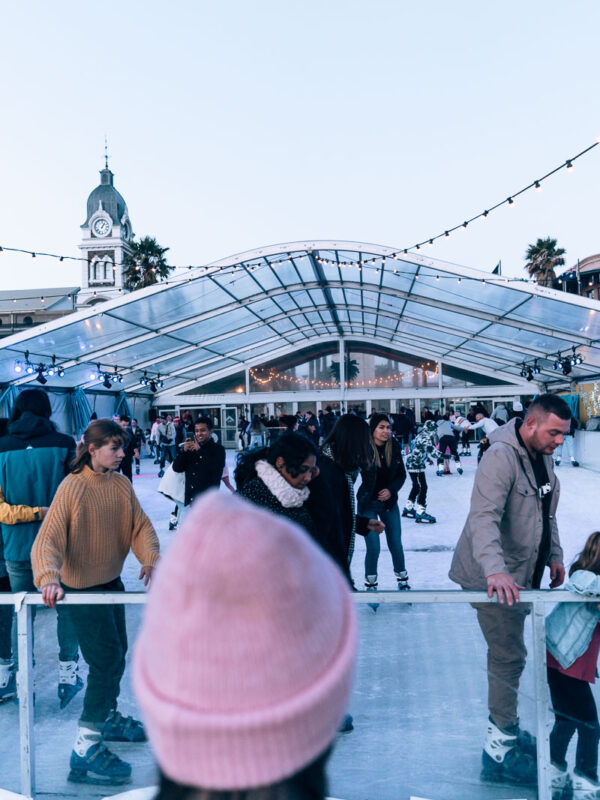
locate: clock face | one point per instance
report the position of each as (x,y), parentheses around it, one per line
(101,227)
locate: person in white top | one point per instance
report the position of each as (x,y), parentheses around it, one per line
(488,425)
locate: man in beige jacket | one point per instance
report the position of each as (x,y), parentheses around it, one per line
(509,538)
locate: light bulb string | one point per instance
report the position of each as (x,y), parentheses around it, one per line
(567,164)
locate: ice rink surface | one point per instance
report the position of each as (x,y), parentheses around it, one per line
(419,702)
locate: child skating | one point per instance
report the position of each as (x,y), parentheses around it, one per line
(93,522)
(573,642)
(423,450)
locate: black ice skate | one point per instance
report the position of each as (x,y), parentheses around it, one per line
(99,766)
(503,760)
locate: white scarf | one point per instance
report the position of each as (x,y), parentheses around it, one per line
(288,496)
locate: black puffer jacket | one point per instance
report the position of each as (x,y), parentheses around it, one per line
(397,478)
(203,468)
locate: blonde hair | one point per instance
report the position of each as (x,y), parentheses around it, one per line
(589,558)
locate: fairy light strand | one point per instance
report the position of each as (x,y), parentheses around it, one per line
(360,263)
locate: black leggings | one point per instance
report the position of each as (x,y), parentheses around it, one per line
(419,488)
(575,710)
(450,443)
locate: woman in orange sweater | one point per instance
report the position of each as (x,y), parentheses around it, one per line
(93,522)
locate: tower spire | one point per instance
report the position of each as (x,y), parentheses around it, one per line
(105,151)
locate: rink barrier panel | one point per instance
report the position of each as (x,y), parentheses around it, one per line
(22,601)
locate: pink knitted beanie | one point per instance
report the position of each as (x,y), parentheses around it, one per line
(244,663)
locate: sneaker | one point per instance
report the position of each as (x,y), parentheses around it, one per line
(69,682)
(8,688)
(118,728)
(161,473)
(99,766)
(584,788)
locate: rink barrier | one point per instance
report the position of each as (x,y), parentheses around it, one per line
(23,601)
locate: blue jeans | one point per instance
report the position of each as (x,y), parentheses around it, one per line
(21,580)
(167,451)
(393,534)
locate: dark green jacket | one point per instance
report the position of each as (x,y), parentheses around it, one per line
(34,459)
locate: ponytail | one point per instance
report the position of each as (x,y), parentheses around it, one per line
(99,432)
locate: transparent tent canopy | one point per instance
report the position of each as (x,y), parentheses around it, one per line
(208,323)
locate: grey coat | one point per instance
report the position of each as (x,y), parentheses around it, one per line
(504,528)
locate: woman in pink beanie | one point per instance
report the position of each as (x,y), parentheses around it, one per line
(244,664)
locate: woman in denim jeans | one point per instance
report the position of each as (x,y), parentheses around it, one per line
(378,497)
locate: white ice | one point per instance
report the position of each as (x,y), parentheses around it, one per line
(419,702)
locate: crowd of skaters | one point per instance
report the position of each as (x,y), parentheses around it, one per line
(84,518)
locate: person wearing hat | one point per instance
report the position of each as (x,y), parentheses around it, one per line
(378,498)
(245,694)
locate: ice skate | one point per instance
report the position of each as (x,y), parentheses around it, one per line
(560,781)
(402,578)
(409,510)
(446,471)
(161,473)
(584,788)
(347,724)
(423,516)
(503,761)
(574,463)
(99,766)
(8,682)
(137,470)
(371,586)
(459,470)
(557,462)
(118,728)
(172,522)
(439,472)
(69,682)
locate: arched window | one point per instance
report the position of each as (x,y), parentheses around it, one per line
(27,321)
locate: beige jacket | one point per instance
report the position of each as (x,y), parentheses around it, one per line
(504,528)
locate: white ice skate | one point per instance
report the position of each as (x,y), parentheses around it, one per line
(584,788)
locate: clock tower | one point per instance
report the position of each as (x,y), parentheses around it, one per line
(105,242)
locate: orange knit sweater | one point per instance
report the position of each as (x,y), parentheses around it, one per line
(94,520)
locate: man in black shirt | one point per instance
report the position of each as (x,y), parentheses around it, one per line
(202,460)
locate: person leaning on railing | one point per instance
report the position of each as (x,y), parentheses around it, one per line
(508,540)
(93,522)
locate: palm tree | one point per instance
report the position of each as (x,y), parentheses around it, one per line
(542,258)
(145,264)
(351,369)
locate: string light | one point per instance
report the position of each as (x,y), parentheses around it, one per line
(288,257)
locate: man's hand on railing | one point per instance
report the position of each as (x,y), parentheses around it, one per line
(51,593)
(146,573)
(503,584)
(557,574)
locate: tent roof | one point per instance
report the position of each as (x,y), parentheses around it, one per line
(209,322)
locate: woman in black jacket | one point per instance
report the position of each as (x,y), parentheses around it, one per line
(332,504)
(277,478)
(378,497)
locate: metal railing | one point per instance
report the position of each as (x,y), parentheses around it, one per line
(537,600)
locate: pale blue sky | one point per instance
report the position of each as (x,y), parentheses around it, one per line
(245,123)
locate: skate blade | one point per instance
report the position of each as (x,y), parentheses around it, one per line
(491,777)
(76,776)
